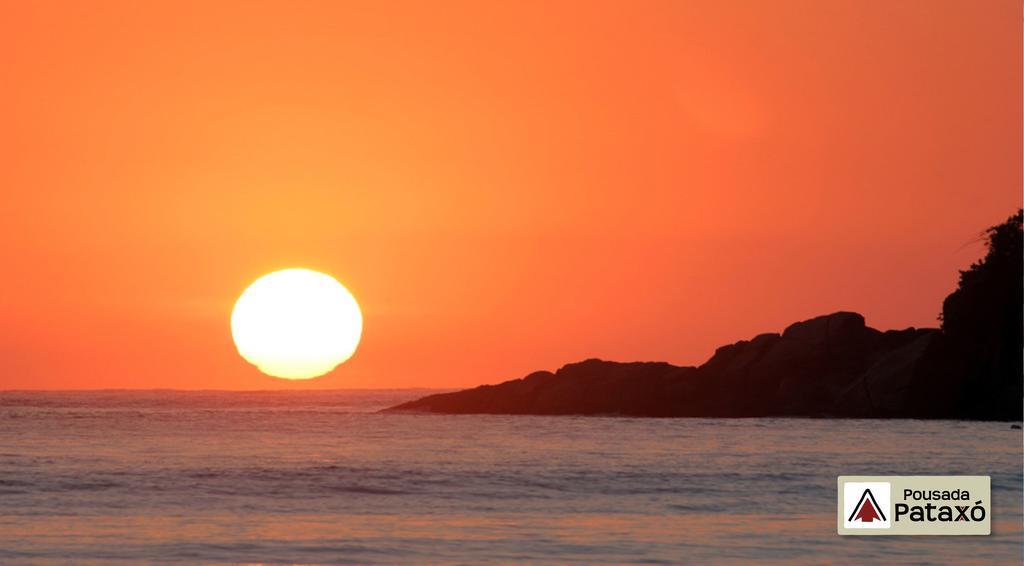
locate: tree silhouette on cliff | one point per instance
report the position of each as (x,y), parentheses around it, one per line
(982,341)
(991,289)
(830,365)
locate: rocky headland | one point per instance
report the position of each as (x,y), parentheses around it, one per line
(829,366)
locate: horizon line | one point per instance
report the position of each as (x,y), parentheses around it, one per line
(169,389)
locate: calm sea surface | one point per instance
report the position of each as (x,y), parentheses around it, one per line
(319,477)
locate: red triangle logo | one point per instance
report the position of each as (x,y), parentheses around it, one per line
(867,509)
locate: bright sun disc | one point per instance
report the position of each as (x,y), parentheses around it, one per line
(296,324)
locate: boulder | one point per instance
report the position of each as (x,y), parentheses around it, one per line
(825,366)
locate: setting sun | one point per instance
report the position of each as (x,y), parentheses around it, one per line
(544,282)
(296,324)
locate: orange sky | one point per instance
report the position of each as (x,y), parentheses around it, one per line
(503,186)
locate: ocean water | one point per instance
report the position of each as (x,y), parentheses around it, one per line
(321,477)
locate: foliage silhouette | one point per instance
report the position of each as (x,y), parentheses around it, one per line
(828,366)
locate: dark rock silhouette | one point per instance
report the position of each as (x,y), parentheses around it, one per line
(832,365)
(829,366)
(591,387)
(973,369)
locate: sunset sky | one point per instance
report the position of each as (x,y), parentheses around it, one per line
(503,187)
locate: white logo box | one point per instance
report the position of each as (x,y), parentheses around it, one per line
(914,505)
